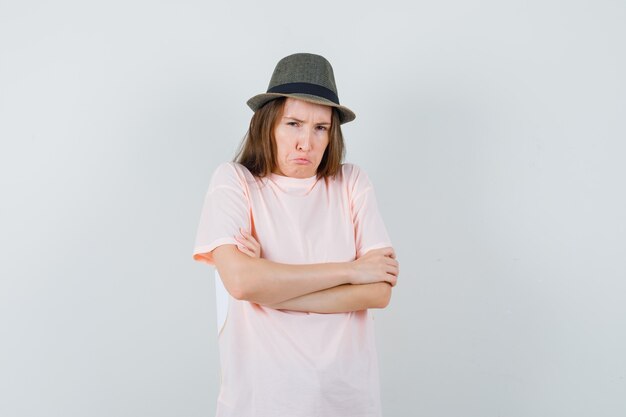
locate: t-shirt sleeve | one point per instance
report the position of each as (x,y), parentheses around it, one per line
(370,230)
(226,208)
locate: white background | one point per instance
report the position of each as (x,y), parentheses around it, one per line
(494,134)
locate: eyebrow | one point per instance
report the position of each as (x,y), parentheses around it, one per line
(302,121)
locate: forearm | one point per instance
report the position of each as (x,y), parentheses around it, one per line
(265,282)
(340,299)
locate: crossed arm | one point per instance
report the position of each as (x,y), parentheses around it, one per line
(321,288)
(341,299)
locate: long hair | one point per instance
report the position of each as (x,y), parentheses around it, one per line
(258,148)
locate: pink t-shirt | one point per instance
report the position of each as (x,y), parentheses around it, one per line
(282,363)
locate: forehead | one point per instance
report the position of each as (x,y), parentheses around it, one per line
(303,110)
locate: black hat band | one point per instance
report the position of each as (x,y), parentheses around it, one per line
(305,88)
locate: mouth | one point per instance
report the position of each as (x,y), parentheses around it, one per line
(301,161)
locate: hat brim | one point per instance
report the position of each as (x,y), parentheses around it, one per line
(345,114)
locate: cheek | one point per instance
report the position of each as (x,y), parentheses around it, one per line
(280,142)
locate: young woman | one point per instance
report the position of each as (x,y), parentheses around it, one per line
(300,247)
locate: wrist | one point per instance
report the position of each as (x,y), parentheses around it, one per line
(349,272)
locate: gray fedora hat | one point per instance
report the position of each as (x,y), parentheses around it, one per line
(307,77)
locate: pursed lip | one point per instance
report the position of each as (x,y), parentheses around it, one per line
(301,160)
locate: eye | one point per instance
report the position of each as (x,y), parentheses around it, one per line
(322,128)
(292,123)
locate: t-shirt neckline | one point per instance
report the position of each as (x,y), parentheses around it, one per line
(293,185)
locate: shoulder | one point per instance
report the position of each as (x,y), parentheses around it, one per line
(351,170)
(230,168)
(231,174)
(354,177)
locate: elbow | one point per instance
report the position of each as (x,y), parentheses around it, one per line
(242,286)
(251,293)
(237,288)
(237,293)
(234,282)
(235,270)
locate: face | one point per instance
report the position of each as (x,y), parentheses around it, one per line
(301,134)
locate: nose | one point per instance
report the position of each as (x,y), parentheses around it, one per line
(304,140)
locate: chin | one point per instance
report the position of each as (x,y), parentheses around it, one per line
(302,174)
(299,171)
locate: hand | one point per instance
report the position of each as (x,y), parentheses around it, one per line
(375,266)
(248,244)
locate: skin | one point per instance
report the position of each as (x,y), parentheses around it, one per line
(340,299)
(301,136)
(265,282)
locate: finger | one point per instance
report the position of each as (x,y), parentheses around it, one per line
(393,272)
(245,250)
(388,251)
(393,269)
(242,238)
(245,233)
(251,244)
(249,237)
(252,241)
(244,243)
(392,264)
(391,261)
(256,244)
